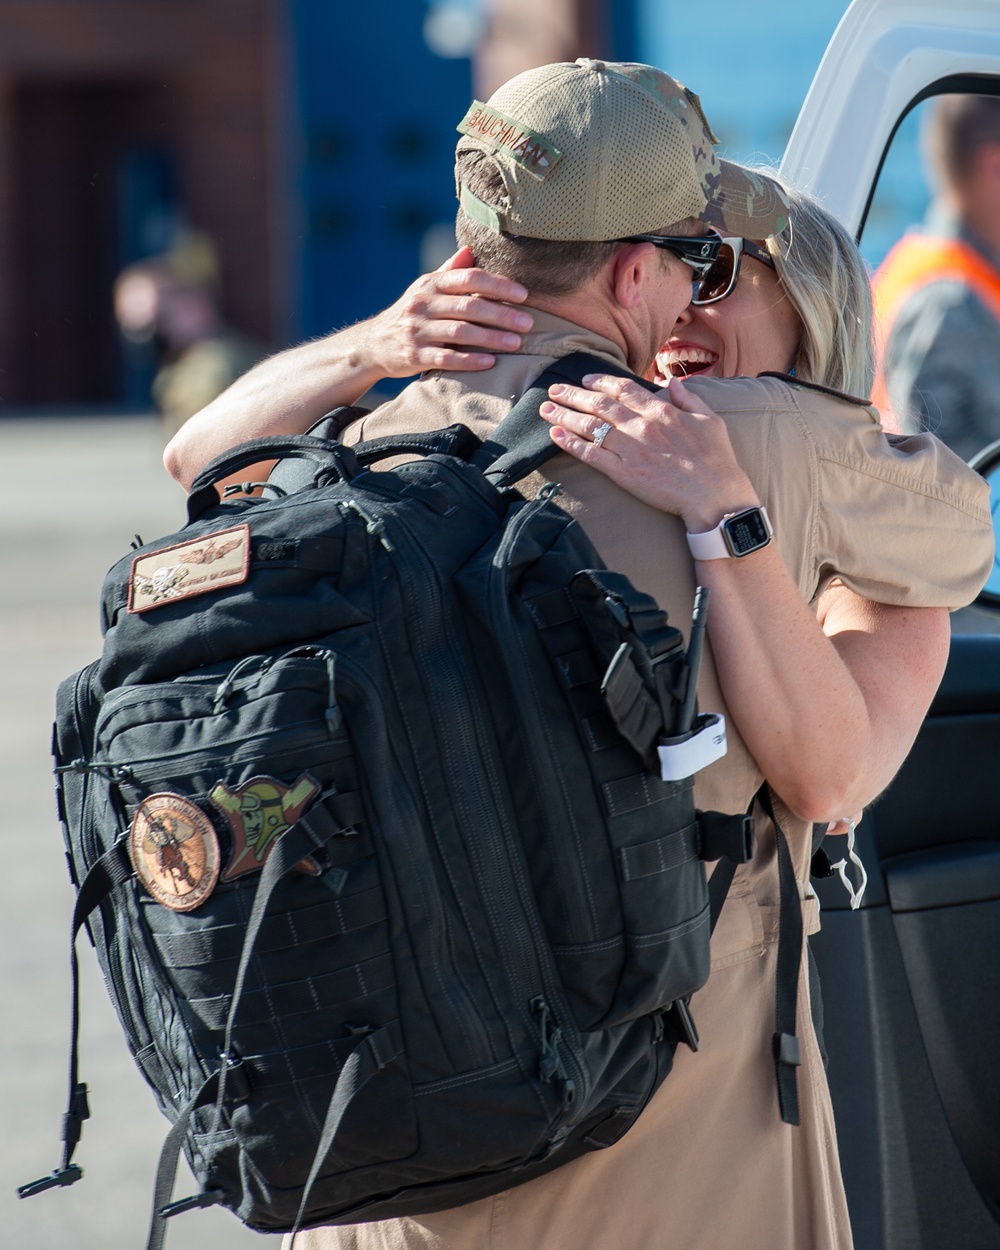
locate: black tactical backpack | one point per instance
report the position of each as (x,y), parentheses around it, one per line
(364,807)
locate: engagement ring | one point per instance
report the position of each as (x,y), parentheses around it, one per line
(602,432)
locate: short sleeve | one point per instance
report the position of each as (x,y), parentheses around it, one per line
(899,519)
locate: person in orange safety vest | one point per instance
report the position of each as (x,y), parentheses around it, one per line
(937,294)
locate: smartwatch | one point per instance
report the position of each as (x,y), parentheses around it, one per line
(737,534)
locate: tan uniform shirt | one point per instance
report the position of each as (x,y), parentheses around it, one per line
(710,1162)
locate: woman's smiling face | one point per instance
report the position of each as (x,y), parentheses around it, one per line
(753,330)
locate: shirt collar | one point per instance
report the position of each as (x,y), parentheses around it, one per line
(556,337)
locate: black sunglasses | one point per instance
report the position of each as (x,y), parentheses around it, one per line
(714,258)
(700,252)
(720,279)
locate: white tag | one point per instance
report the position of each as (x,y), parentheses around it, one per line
(856,894)
(683,757)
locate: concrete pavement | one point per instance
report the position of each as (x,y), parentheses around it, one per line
(73,493)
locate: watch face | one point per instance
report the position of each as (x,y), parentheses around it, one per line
(747,531)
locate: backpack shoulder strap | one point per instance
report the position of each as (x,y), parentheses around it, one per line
(787,1050)
(521,444)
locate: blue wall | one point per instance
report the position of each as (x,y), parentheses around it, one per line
(375,113)
(752,66)
(750,63)
(375,119)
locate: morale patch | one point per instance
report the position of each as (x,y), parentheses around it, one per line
(174,851)
(258,813)
(506,135)
(188,569)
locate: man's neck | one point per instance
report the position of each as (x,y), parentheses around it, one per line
(586,309)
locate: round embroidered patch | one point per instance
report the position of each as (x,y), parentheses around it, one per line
(174,851)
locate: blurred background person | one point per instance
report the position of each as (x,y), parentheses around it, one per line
(937,293)
(171,304)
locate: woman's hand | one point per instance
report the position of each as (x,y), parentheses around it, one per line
(824,701)
(454,318)
(669,449)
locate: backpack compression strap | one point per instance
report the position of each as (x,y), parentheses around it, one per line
(787,1050)
(334,814)
(108,872)
(724,840)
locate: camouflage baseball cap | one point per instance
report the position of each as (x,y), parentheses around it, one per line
(600,150)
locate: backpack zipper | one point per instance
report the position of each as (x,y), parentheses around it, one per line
(551,1065)
(581,904)
(528,963)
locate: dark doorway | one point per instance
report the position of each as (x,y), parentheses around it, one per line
(76,157)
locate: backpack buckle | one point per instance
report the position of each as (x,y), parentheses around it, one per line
(678,1015)
(60,1177)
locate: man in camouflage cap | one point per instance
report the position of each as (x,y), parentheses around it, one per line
(573,172)
(596,185)
(597,151)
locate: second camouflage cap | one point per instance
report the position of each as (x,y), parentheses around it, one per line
(596,150)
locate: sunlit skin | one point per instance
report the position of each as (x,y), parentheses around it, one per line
(754,330)
(685,463)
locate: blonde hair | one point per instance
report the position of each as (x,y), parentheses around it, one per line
(825,279)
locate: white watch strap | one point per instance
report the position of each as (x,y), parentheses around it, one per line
(710,545)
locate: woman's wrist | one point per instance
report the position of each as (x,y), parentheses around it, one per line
(706,513)
(360,354)
(335,370)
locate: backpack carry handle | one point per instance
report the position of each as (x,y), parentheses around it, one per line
(329,455)
(453,440)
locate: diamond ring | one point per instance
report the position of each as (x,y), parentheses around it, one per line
(602,432)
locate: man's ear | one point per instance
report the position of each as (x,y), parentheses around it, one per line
(631,267)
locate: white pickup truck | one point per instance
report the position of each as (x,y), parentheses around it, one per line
(911,981)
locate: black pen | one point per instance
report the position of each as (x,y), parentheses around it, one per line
(685,718)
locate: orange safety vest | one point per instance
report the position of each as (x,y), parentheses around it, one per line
(913,263)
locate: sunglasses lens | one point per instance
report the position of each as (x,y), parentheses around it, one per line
(720,279)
